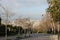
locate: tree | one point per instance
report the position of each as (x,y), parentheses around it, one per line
(2,30)
(8,15)
(54,9)
(0,20)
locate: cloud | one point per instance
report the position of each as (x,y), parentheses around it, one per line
(24,3)
(26,8)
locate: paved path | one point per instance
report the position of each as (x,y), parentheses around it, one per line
(35,37)
(38,38)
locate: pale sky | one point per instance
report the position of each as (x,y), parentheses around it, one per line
(26,8)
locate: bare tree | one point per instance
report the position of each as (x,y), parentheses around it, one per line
(8,15)
(48,22)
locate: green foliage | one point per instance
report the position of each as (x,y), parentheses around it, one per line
(0,20)
(2,30)
(12,31)
(54,9)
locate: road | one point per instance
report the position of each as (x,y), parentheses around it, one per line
(35,37)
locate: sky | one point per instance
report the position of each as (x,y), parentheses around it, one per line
(26,8)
